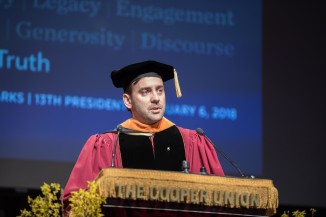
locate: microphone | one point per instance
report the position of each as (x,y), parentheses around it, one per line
(201,132)
(118,130)
(123,130)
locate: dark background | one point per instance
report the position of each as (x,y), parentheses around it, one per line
(294,101)
(293,108)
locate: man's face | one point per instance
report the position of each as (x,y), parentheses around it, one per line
(147,100)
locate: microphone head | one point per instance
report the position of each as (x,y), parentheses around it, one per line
(118,128)
(200,131)
(121,129)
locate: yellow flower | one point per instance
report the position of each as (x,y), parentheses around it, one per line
(44,206)
(86,203)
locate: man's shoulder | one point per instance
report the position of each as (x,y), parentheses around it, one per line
(104,137)
(186,131)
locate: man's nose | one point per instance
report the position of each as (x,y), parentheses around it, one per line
(155,97)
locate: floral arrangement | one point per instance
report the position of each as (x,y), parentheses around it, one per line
(47,205)
(83,203)
(86,202)
(298,213)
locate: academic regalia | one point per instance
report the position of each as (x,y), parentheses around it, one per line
(97,155)
(160,146)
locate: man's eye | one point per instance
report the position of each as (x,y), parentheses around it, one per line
(144,92)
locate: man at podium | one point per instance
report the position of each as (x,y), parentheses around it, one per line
(147,140)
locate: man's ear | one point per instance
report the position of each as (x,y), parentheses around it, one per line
(127,100)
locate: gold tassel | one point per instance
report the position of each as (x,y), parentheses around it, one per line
(177,85)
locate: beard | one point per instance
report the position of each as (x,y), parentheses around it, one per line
(150,114)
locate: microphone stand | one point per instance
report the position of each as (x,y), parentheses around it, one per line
(201,132)
(118,130)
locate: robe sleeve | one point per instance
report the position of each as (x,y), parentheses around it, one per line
(200,153)
(95,155)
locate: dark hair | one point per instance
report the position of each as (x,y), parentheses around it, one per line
(128,90)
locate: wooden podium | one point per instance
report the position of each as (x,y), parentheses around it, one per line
(133,192)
